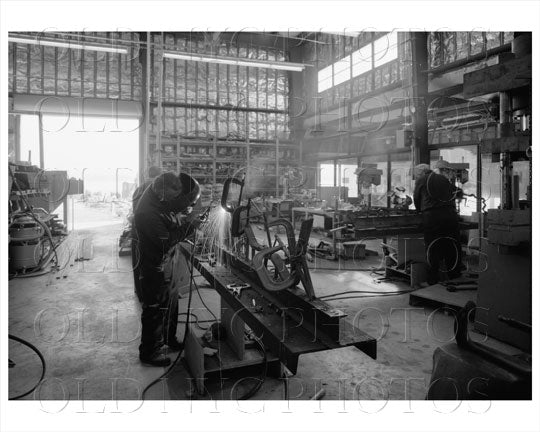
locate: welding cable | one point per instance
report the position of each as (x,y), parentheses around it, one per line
(362,292)
(202,301)
(249,394)
(43,365)
(197,321)
(368,296)
(188,313)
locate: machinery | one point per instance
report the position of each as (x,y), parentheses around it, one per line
(474,370)
(366,176)
(504,301)
(399,199)
(505,284)
(259,287)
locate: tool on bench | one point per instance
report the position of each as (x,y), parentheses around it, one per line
(236,288)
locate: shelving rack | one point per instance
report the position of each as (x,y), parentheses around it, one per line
(210,160)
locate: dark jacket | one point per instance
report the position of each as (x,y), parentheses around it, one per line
(137,194)
(434,191)
(156,230)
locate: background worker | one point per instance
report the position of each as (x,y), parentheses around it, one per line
(434,197)
(157,231)
(153,172)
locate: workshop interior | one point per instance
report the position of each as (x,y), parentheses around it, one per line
(303,270)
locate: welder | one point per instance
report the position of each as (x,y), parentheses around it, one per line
(157,231)
(153,172)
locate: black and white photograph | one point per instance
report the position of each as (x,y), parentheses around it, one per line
(220,219)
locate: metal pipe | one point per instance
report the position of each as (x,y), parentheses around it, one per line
(505,115)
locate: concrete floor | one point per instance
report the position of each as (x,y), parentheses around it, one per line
(85,320)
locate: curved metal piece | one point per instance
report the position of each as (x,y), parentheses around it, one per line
(267,282)
(225,194)
(280,266)
(289,230)
(239,220)
(252,240)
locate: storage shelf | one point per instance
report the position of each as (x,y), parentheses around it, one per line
(180,160)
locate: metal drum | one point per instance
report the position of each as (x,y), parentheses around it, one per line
(25,245)
(25,254)
(25,228)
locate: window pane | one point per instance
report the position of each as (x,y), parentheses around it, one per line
(347,177)
(342,70)
(326,174)
(361,60)
(385,49)
(325,78)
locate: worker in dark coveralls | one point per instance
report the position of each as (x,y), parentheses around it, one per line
(434,197)
(157,230)
(153,172)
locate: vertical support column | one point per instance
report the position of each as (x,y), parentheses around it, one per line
(419,87)
(159,100)
(17,129)
(277,167)
(479,191)
(144,129)
(41,152)
(388,178)
(214,167)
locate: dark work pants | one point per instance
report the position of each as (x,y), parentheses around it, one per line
(159,317)
(135,254)
(441,238)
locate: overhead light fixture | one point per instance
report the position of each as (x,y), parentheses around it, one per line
(68,44)
(295,67)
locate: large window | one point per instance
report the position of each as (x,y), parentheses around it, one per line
(347,176)
(377,53)
(361,60)
(385,49)
(342,70)
(327,173)
(325,78)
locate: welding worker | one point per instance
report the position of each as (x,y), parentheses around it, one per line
(153,172)
(157,232)
(434,197)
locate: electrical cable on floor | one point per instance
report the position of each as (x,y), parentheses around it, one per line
(202,301)
(362,292)
(43,364)
(197,321)
(264,371)
(369,296)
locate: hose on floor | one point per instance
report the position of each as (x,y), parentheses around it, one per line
(43,365)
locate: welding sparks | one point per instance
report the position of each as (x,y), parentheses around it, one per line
(216,233)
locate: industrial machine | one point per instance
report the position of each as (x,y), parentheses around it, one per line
(366,176)
(259,287)
(505,285)
(504,301)
(35,232)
